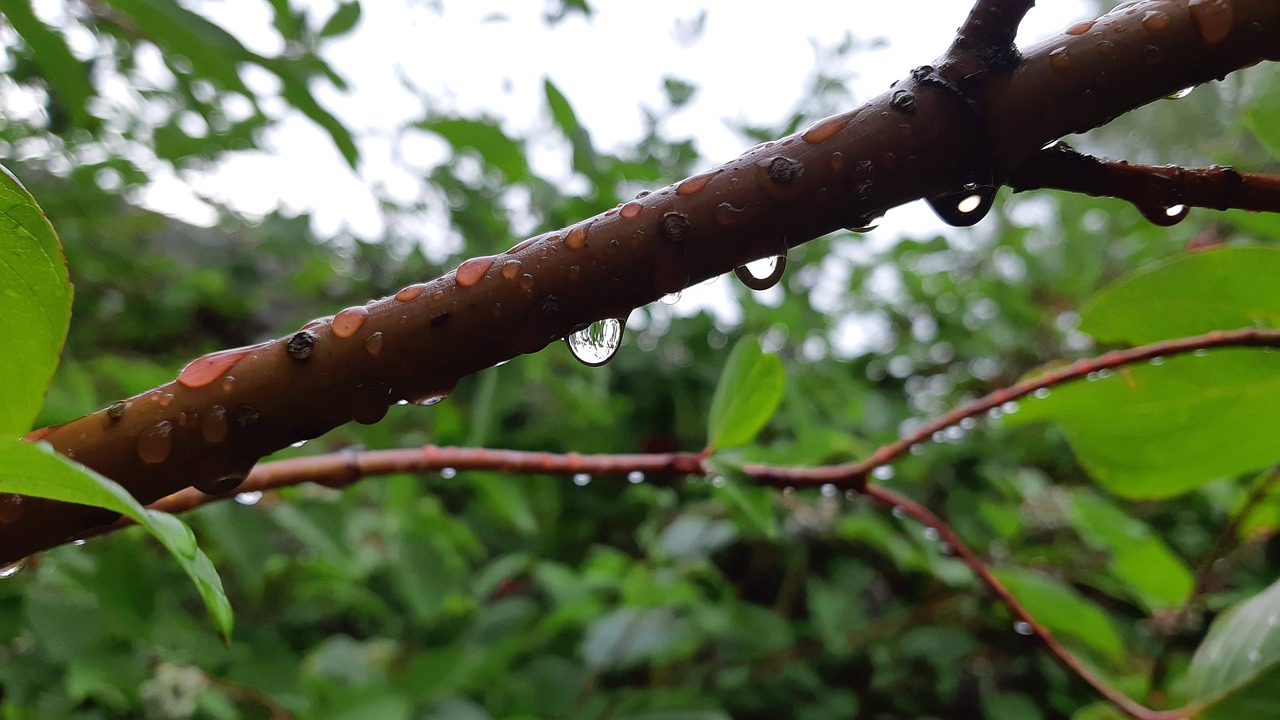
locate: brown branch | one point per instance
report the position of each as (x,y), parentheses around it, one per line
(854,475)
(984,42)
(1162,194)
(227,410)
(1073,664)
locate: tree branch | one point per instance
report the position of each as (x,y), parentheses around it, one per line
(1162,194)
(227,410)
(984,42)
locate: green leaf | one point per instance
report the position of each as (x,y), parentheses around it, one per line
(486,138)
(342,19)
(35,305)
(1263,119)
(750,501)
(35,469)
(1064,611)
(1154,431)
(68,78)
(1235,672)
(747,395)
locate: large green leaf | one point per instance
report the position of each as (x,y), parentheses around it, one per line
(1160,429)
(35,305)
(1064,611)
(34,469)
(1236,670)
(747,395)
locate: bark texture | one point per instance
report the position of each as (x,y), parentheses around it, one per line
(936,135)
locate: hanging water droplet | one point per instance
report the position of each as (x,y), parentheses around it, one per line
(597,343)
(829,490)
(12,569)
(931,534)
(249,498)
(1180,94)
(432,399)
(635,477)
(155,443)
(884,472)
(298,444)
(966,207)
(448,473)
(1022,628)
(581,479)
(221,485)
(899,512)
(866,223)
(762,274)
(671,298)
(79,542)
(1041,393)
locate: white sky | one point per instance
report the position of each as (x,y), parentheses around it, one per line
(751,63)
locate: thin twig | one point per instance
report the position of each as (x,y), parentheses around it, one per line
(985,41)
(1162,194)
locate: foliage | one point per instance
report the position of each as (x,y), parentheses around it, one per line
(478,595)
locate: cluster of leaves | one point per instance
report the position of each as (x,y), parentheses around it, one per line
(477,595)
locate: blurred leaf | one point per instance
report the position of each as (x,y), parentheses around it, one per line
(1236,670)
(627,636)
(753,503)
(35,305)
(693,535)
(211,50)
(747,395)
(36,470)
(487,139)
(1262,117)
(679,92)
(342,20)
(1064,611)
(1154,431)
(68,78)
(1010,706)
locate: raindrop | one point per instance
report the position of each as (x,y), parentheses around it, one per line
(968,423)
(348,321)
(884,472)
(576,238)
(249,498)
(204,370)
(1081,27)
(219,486)
(1022,628)
(374,343)
(1059,59)
(12,569)
(471,271)
(298,444)
(631,210)
(931,534)
(866,223)
(719,481)
(412,292)
(695,183)
(762,274)
(214,425)
(671,298)
(635,477)
(79,542)
(1164,215)
(1200,353)
(1041,393)
(581,479)
(966,207)
(1157,360)
(156,442)
(899,512)
(597,343)
(1155,21)
(511,269)
(448,473)
(1214,19)
(824,130)
(1180,94)
(1009,408)
(829,490)
(432,399)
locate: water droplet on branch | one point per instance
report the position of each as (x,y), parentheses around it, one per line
(762,274)
(965,207)
(597,343)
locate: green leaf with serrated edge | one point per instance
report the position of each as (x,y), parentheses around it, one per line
(35,469)
(747,395)
(1235,672)
(1064,611)
(342,19)
(35,305)
(743,495)
(1157,430)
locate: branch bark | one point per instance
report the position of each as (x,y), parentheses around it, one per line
(924,139)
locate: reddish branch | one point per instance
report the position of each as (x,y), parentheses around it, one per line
(1163,194)
(985,42)
(233,409)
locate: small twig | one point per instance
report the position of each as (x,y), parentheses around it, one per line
(922,514)
(985,40)
(1162,194)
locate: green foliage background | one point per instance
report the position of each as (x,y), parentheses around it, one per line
(468,596)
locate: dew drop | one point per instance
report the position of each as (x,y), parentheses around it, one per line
(347,322)
(511,270)
(12,569)
(695,184)
(762,274)
(576,238)
(204,370)
(1022,628)
(470,271)
(671,298)
(825,129)
(1155,21)
(631,210)
(1213,18)
(214,425)
(635,477)
(374,343)
(597,343)
(249,498)
(1081,27)
(581,479)
(412,292)
(966,207)
(155,443)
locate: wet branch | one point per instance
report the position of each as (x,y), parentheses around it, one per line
(1163,194)
(985,41)
(224,411)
